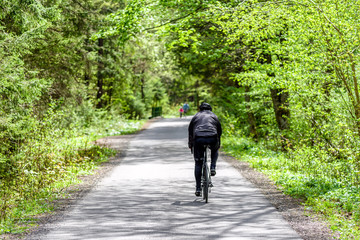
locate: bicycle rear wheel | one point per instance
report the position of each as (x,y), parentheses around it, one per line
(206,178)
(206,184)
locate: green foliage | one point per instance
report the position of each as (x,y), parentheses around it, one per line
(50,159)
(325,186)
(41,178)
(261,64)
(124,23)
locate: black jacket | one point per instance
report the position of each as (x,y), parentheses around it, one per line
(204,124)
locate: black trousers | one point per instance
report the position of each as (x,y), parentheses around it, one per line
(199,155)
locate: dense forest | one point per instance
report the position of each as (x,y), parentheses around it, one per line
(281,75)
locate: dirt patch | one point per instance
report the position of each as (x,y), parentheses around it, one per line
(303,221)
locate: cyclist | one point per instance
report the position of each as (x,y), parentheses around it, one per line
(204,129)
(181,111)
(186,108)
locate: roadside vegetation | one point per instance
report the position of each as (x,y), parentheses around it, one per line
(303,175)
(48,161)
(281,75)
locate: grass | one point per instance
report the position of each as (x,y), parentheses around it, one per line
(318,182)
(69,158)
(22,215)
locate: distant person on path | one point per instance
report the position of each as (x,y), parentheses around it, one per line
(186,108)
(204,129)
(181,111)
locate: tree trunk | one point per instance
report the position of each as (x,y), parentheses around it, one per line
(142,84)
(197,100)
(281,107)
(250,114)
(100,75)
(87,70)
(110,92)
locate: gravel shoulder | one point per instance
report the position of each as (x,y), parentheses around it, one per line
(305,223)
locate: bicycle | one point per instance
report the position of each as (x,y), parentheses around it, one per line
(206,183)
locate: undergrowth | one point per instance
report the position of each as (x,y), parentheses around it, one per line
(47,162)
(321,184)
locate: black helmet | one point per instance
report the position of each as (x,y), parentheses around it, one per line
(205,106)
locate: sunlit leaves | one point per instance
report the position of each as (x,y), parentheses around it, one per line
(124,23)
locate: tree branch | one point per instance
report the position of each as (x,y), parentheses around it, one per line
(173,20)
(326,18)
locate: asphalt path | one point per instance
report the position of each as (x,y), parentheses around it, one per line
(150,195)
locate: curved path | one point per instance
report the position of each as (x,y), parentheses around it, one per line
(150,195)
